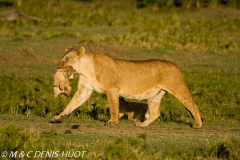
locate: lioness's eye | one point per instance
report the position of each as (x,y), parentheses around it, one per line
(66,59)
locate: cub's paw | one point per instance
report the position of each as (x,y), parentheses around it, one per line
(62,95)
(110,123)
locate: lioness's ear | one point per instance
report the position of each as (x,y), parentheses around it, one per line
(81,50)
(68,48)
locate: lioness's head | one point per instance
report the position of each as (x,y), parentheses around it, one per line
(71,57)
(65,70)
(61,86)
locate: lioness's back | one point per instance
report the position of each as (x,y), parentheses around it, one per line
(143,69)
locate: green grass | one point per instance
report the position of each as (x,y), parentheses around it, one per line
(166,140)
(203,43)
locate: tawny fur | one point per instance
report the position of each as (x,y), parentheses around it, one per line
(133,109)
(140,80)
(61,85)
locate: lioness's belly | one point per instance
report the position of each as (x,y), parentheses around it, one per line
(140,96)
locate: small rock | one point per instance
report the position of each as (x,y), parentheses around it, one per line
(75,126)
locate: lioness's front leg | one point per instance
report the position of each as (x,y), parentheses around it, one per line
(78,99)
(113,102)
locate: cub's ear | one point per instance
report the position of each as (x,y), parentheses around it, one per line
(81,50)
(121,99)
(68,48)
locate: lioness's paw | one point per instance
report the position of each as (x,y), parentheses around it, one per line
(196,125)
(56,119)
(141,124)
(59,118)
(110,123)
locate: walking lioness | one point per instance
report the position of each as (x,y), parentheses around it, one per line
(140,80)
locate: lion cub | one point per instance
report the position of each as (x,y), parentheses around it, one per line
(133,108)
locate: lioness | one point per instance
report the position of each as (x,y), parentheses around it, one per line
(140,80)
(133,108)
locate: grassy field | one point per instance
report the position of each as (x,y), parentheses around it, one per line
(204,43)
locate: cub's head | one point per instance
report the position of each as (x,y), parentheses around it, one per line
(65,70)
(122,102)
(61,86)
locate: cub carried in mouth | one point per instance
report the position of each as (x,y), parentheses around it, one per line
(140,80)
(61,83)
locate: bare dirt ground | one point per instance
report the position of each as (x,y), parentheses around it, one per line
(159,130)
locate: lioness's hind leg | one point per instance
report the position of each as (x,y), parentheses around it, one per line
(154,109)
(183,94)
(194,111)
(192,108)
